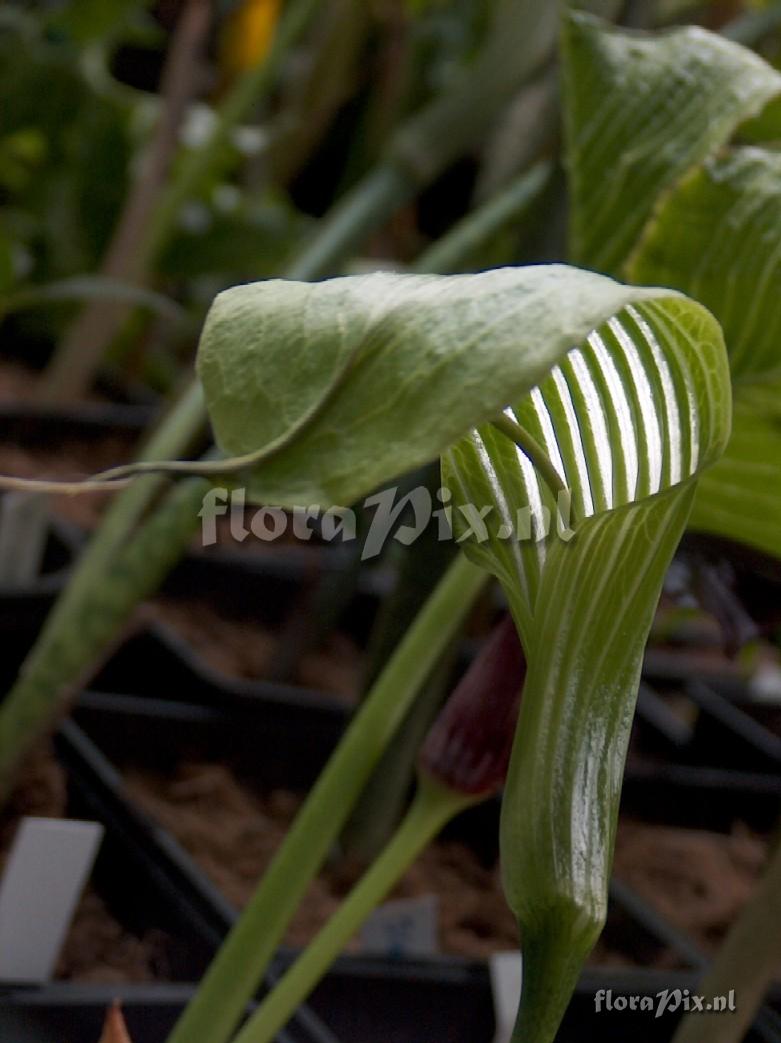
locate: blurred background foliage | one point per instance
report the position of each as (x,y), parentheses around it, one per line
(82,89)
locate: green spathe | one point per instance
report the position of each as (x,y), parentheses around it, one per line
(346,383)
(357,380)
(630,419)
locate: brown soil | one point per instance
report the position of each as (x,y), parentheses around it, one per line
(40,791)
(98,948)
(71,460)
(17,382)
(233,832)
(698,880)
(246,649)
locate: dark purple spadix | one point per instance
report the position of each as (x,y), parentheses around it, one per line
(468,747)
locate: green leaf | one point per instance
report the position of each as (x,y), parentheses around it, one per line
(629,420)
(740,497)
(353,381)
(717,238)
(640,112)
(692,212)
(96,21)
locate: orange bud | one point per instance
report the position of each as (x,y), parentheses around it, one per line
(114,1027)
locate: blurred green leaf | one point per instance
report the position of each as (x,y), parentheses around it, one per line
(641,111)
(718,237)
(96,21)
(64,151)
(245,242)
(710,225)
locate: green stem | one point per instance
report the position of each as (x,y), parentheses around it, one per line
(531,448)
(450,252)
(751,28)
(747,962)
(73,365)
(238,968)
(68,643)
(385,796)
(434,805)
(113,575)
(87,619)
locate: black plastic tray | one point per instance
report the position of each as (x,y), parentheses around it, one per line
(117,723)
(142,876)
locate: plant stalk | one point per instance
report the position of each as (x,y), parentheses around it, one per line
(152,210)
(531,448)
(72,368)
(249,91)
(383,802)
(101,593)
(29,710)
(238,968)
(433,806)
(747,962)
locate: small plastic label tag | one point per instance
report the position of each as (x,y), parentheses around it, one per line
(403,928)
(506,970)
(45,874)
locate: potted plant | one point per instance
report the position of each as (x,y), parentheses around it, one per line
(606,439)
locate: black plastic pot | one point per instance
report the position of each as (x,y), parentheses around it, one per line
(145,880)
(674,769)
(148,732)
(156,696)
(450,1008)
(50,428)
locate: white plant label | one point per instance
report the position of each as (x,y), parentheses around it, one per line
(48,865)
(403,928)
(24,522)
(506,970)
